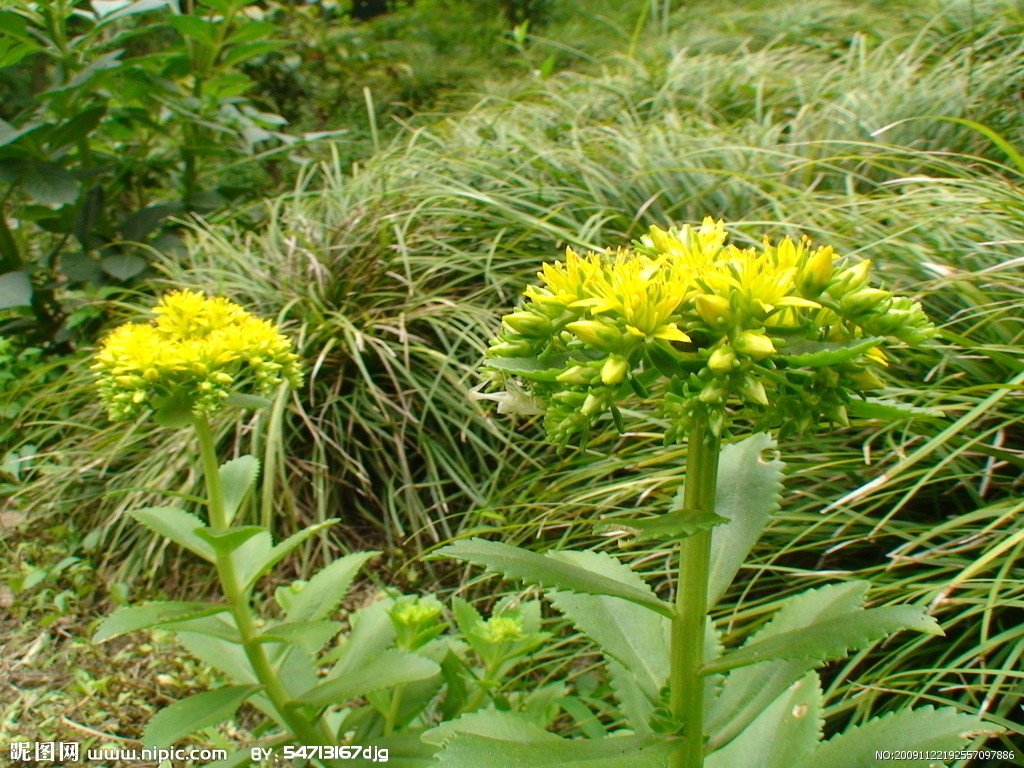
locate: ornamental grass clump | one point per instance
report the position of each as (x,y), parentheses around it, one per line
(719,340)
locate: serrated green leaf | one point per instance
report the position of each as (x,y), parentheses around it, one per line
(371,632)
(626,632)
(785,730)
(261,565)
(170,724)
(390,668)
(219,625)
(746,495)
(310,636)
(496,725)
(132,617)
(321,595)
(470,750)
(669,527)
(231,539)
(237,478)
(552,571)
(831,639)
(878,408)
(220,654)
(179,526)
(747,691)
(920,730)
(815,354)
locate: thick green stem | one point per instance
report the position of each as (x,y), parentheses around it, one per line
(687,654)
(238,598)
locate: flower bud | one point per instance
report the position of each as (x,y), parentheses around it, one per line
(753,391)
(528,323)
(592,405)
(723,360)
(713,393)
(863,300)
(714,310)
(517,348)
(754,344)
(596,334)
(579,375)
(816,272)
(614,370)
(850,279)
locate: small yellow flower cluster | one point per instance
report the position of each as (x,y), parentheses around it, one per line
(718,326)
(197,348)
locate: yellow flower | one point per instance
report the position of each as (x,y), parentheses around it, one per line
(199,348)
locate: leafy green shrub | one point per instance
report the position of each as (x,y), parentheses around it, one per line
(136,114)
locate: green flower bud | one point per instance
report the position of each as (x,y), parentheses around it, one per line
(577,374)
(713,393)
(753,391)
(754,344)
(863,300)
(514,348)
(850,279)
(723,360)
(500,629)
(614,370)
(713,310)
(596,334)
(528,323)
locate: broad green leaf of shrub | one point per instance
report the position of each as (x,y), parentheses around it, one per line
(170,724)
(785,730)
(921,729)
(748,690)
(747,494)
(831,639)
(551,571)
(392,667)
(177,525)
(320,596)
(132,617)
(236,479)
(470,750)
(632,635)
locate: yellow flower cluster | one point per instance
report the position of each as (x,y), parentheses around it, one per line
(197,348)
(721,324)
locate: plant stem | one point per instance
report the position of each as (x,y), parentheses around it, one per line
(238,597)
(687,654)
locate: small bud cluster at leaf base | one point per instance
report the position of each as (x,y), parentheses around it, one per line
(782,335)
(197,348)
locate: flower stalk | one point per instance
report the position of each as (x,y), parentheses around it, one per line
(238,597)
(686,684)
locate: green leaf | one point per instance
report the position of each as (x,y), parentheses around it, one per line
(390,668)
(669,527)
(253,50)
(632,635)
(123,266)
(815,354)
(174,412)
(552,571)
(470,750)
(310,636)
(921,729)
(169,725)
(893,410)
(747,494)
(133,617)
(15,290)
(231,539)
(50,184)
(218,625)
(529,367)
(372,631)
(242,400)
(195,28)
(177,525)
(830,639)
(262,564)
(219,653)
(321,595)
(496,725)
(236,479)
(747,691)
(785,730)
